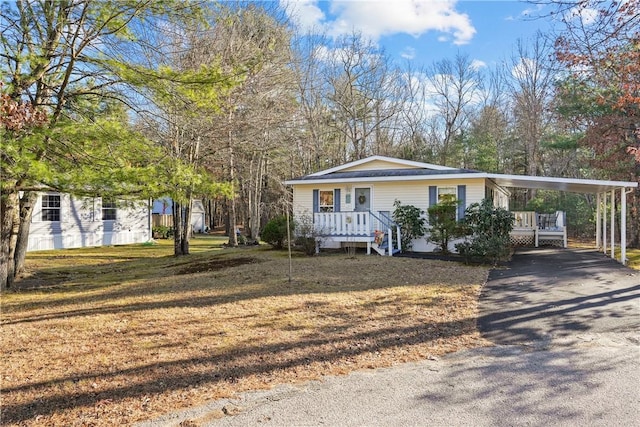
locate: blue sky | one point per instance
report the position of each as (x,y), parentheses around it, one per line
(425,31)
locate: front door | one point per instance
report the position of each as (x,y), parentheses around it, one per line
(362,199)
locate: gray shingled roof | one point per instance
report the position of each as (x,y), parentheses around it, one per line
(374,173)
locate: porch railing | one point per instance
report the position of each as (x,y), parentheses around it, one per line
(358,224)
(525,219)
(343,223)
(388,225)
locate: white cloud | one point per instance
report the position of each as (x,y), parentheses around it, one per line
(585,14)
(536,12)
(377,18)
(525,67)
(305,13)
(476,64)
(408,53)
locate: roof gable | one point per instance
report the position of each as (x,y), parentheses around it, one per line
(380,163)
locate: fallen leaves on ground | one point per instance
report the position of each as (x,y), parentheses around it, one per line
(108,345)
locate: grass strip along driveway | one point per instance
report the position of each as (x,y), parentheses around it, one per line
(111,336)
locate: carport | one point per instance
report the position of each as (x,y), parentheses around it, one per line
(606,196)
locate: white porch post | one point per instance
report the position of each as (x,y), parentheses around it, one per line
(598,221)
(613,223)
(623,225)
(604,223)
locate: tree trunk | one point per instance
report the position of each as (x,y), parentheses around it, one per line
(233,237)
(178,229)
(226,207)
(186,227)
(255,195)
(9,208)
(27,203)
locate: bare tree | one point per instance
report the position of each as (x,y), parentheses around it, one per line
(455,87)
(531,82)
(363,98)
(252,126)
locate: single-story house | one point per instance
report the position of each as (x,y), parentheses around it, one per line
(62,221)
(353,203)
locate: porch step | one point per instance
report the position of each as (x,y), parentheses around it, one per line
(383,248)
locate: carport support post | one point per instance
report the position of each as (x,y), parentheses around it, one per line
(598,221)
(604,223)
(613,223)
(623,225)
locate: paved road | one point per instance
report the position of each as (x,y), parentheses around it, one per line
(566,325)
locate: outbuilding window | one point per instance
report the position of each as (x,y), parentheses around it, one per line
(108,210)
(51,207)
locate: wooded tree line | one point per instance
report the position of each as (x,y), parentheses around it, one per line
(139,99)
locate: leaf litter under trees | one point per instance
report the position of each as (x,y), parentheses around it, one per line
(129,333)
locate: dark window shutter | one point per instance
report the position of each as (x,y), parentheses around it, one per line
(462,200)
(316,201)
(433,195)
(336,200)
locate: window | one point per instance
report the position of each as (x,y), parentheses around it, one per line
(326,201)
(108,210)
(51,207)
(447,194)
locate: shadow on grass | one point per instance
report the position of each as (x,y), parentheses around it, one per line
(190,274)
(215,368)
(228,367)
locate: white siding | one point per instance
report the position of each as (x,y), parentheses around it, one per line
(384,194)
(81,225)
(500,196)
(416,193)
(303,200)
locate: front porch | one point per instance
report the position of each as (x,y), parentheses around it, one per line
(381,234)
(377,230)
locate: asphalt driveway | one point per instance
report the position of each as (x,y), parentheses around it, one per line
(566,328)
(546,294)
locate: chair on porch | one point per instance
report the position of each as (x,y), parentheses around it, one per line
(551,229)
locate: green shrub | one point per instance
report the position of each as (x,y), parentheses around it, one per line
(443,226)
(487,228)
(307,238)
(162,232)
(275,232)
(411,222)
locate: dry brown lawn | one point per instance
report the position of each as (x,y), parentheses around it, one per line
(111,336)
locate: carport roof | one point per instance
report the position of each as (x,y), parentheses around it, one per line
(365,170)
(573,185)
